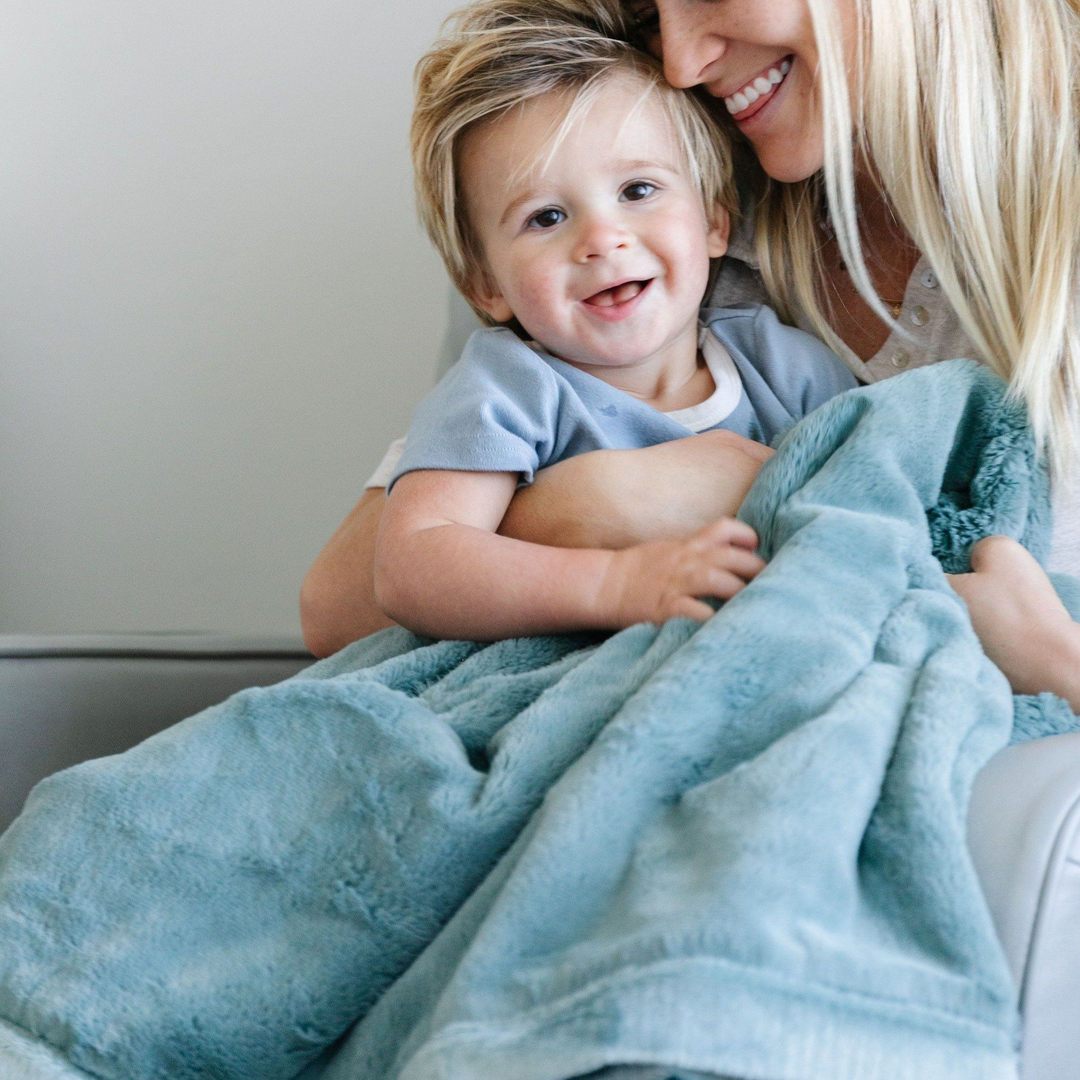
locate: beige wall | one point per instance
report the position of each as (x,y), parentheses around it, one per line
(215,306)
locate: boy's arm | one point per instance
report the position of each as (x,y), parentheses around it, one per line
(604,499)
(442,571)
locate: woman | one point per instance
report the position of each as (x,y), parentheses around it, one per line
(732,48)
(945,227)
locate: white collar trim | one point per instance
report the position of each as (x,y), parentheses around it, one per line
(720,404)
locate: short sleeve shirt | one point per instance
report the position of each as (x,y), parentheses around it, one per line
(509,407)
(927,331)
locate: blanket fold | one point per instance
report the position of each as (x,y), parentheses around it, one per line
(737,848)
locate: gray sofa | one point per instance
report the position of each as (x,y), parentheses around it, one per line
(66,699)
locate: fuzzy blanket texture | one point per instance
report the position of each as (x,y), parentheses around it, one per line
(737,848)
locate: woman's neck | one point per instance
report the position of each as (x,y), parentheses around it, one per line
(885,241)
(890,257)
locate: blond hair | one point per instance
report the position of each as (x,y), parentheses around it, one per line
(967,112)
(495,55)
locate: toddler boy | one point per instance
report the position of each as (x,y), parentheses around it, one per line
(576,199)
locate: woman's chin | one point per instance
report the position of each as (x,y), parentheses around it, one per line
(787,166)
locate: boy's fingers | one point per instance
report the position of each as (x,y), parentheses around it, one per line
(747,564)
(689,608)
(718,582)
(730,531)
(741,534)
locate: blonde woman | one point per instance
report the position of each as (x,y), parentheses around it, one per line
(912,187)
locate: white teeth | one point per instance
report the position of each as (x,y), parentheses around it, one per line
(762,85)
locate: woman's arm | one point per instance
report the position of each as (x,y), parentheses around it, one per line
(604,499)
(1022,624)
(617,498)
(443,571)
(337,598)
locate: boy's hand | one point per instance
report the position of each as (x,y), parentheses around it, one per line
(663,580)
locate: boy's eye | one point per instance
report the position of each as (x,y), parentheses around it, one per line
(546,218)
(639,189)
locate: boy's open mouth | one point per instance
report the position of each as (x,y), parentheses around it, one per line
(617,294)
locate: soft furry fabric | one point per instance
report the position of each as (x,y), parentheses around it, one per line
(737,848)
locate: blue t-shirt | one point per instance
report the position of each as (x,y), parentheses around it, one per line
(507,407)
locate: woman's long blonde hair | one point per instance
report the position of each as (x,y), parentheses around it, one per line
(967,112)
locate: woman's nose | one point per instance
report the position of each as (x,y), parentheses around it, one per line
(688,50)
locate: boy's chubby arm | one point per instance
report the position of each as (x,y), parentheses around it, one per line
(442,570)
(604,499)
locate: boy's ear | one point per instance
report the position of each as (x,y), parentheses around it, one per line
(719,231)
(488,299)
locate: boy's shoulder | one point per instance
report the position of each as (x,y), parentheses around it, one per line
(497,365)
(758,333)
(495,410)
(497,353)
(756,327)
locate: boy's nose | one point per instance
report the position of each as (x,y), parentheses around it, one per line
(598,238)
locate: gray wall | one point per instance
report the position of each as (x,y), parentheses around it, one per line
(215,305)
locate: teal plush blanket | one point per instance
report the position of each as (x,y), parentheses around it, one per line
(736,848)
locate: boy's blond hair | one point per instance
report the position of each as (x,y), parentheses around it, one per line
(495,55)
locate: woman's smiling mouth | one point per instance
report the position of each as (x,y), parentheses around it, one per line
(757,93)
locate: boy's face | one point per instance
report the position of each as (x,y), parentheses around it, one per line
(599,247)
